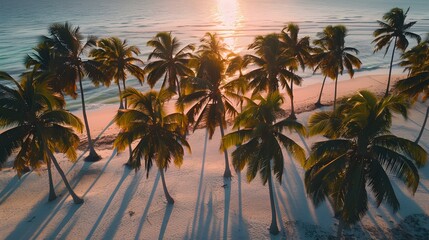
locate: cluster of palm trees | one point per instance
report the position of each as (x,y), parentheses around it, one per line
(212,85)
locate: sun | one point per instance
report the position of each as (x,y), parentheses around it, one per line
(229,17)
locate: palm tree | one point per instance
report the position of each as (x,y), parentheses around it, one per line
(299,49)
(117,58)
(208,98)
(416,61)
(271,63)
(335,56)
(172,63)
(259,143)
(37,125)
(160,134)
(239,84)
(393,29)
(67,44)
(212,44)
(359,156)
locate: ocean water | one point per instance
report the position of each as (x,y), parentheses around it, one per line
(237,21)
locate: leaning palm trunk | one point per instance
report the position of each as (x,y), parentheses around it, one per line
(76,199)
(170,200)
(390,69)
(93,156)
(292,113)
(335,92)
(318,103)
(52,195)
(227,173)
(121,105)
(273,228)
(423,125)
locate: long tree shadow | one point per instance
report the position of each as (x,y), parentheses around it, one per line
(227,192)
(73,182)
(146,210)
(208,228)
(129,193)
(39,217)
(11,187)
(239,225)
(167,214)
(200,185)
(109,201)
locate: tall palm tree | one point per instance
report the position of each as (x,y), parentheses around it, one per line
(161,135)
(117,58)
(416,61)
(208,99)
(300,50)
(271,63)
(212,44)
(335,56)
(393,29)
(357,159)
(239,84)
(67,42)
(260,140)
(172,61)
(37,126)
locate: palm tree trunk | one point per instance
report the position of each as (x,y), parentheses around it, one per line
(121,105)
(76,199)
(227,173)
(423,125)
(390,69)
(340,228)
(292,113)
(273,228)
(335,92)
(52,195)
(170,200)
(93,156)
(125,99)
(318,103)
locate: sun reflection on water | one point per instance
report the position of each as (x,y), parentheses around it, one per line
(229,18)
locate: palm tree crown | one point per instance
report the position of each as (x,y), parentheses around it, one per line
(393,29)
(36,126)
(117,59)
(271,63)
(358,156)
(172,62)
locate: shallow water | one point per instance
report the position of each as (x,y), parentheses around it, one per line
(238,21)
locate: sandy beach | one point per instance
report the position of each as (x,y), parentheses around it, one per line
(124,204)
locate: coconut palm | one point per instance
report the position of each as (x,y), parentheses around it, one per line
(239,83)
(260,140)
(271,63)
(159,134)
(394,28)
(416,61)
(208,99)
(212,44)
(335,56)
(37,126)
(172,62)
(360,156)
(300,50)
(118,59)
(67,43)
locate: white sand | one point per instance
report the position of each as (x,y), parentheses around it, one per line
(123,204)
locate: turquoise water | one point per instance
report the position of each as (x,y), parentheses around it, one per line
(238,21)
